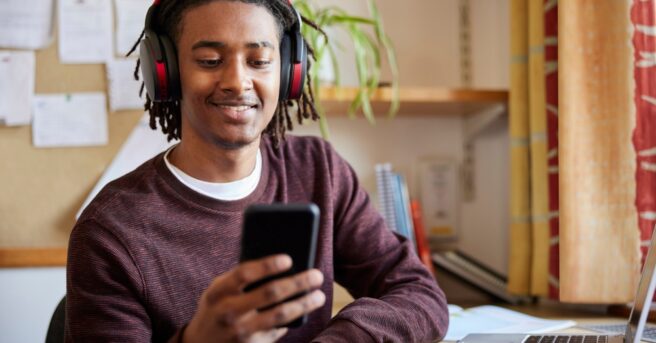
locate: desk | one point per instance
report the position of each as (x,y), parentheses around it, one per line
(584,314)
(580,314)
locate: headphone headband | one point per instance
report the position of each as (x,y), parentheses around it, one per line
(299,22)
(158,59)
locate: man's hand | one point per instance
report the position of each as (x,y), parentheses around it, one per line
(227,314)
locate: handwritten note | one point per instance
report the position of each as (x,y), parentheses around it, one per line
(16,87)
(85,31)
(123,88)
(67,120)
(130,17)
(26,24)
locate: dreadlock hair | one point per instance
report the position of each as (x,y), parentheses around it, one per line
(167,21)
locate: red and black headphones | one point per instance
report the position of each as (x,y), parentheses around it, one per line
(159,62)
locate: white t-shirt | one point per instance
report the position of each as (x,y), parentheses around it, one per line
(227,191)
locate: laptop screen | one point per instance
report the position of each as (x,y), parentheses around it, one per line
(644,296)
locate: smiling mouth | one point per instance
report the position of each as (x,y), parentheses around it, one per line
(237,103)
(240,108)
(235,112)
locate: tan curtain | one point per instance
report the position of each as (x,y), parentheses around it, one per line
(529,231)
(520,230)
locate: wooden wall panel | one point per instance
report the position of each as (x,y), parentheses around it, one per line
(599,233)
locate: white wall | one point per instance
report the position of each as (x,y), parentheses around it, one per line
(490,43)
(425,35)
(398,141)
(485,220)
(28,297)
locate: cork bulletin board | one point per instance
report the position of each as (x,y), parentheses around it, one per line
(43,188)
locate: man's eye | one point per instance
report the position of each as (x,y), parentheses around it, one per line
(261,63)
(209,63)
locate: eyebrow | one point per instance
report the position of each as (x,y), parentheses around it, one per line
(214,44)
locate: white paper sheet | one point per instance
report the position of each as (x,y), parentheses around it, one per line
(85,31)
(123,88)
(130,18)
(16,87)
(494,319)
(142,144)
(66,120)
(26,24)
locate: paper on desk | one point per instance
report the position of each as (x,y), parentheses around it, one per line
(66,120)
(130,16)
(494,319)
(16,87)
(85,31)
(123,88)
(26,24)
(142,144)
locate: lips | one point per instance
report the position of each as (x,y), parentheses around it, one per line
(239,108)
(237,112)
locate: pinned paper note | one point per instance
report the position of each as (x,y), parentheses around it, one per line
(142,144)
(123,88)
(67,120)
(16,87)
(130,17)
(26,24)
(85,31)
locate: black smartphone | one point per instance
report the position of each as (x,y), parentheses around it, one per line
(278,228)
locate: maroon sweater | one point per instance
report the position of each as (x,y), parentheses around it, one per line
(147,246)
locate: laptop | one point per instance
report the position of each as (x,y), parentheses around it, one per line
(633,330)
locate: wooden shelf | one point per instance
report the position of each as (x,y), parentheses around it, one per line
(416,100)
(32,257)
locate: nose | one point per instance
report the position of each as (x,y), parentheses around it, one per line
(235,79)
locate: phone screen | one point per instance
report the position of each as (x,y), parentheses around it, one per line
(281,229)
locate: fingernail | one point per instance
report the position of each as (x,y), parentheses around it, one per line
(284,262)
(316,277)
(318,298)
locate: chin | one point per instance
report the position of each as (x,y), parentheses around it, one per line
(234,143)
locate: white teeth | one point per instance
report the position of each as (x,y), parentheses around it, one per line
(236,108)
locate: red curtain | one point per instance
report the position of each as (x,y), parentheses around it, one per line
(551,79)
(644,136)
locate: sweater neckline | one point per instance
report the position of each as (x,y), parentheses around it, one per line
(211,203)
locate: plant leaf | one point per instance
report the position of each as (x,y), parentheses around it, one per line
(335,64)
(355,104)
(368,52)
(388,46)
(348,19)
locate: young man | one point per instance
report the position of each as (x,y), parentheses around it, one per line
(155,256)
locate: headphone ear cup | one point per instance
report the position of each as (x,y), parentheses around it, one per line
(285,66)
(159,67)
(298,65)
(172,71)
(303,72)
(148,63)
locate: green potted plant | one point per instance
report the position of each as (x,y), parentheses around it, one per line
(370,42)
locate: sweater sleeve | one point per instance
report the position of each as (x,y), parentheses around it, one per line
(105,294)
(396,297)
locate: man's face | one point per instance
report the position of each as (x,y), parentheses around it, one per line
(229,72)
